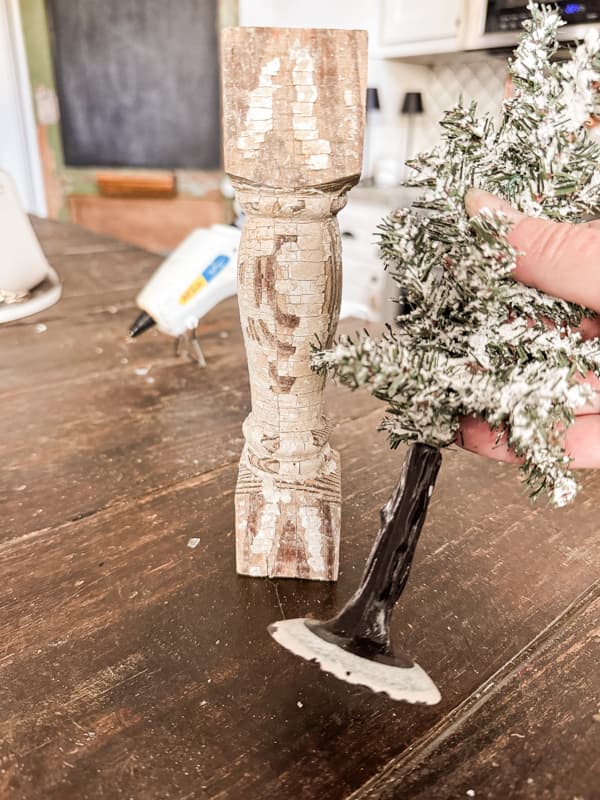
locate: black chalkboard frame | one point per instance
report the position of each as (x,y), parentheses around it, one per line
(137,82)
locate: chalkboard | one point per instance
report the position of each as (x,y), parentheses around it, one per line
(137,82)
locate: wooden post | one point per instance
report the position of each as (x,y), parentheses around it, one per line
(293,123)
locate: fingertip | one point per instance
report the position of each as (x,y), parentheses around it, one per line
(476,200)
(590,327)
(559,258)
(582,442)
(476,436)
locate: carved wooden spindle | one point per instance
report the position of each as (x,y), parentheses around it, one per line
(293,121)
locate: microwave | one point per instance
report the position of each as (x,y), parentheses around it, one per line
(502,20)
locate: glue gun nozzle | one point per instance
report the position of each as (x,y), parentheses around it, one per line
(141,324)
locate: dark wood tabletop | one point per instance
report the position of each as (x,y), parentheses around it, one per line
(133,665)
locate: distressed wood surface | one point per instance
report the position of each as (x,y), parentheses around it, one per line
(293,105)
(293,120)
(133,666)
(537,735)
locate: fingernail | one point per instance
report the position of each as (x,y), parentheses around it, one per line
(476,200)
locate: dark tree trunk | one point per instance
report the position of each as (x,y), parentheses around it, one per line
(363,625)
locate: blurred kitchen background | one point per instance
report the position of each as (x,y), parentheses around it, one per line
(109,111)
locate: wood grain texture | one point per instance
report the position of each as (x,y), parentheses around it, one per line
(132,665)
(534,734)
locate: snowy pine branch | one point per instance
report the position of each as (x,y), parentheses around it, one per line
(472,341)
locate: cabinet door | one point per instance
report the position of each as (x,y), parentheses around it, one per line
(405,21)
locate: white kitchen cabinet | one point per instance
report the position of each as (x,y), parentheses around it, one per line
(421,27)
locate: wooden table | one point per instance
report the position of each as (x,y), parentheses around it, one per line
(133,665)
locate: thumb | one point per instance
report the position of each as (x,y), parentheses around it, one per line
(559,258)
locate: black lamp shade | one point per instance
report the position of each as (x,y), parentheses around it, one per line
(412,103)
(372,99)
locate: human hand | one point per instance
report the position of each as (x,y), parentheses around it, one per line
(563,260)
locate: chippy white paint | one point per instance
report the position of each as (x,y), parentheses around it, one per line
(259,116)
(311,522)
(304,120)
(283,138)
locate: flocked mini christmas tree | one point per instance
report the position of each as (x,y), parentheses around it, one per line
(473,341)
(470,340)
